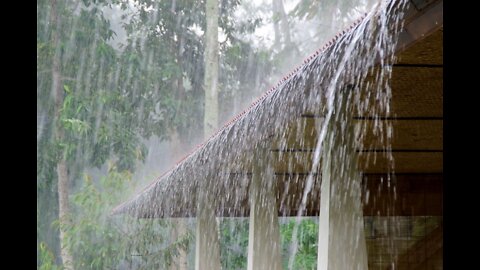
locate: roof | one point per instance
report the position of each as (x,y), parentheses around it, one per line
(227,155)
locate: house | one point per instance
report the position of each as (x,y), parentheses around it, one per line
(352,135)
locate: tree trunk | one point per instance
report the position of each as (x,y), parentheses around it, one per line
(276,26)
(281,20)
(207,247)
(179,228)
(182,255)
(211,69)
(62,171)
(63,212)
(284,23)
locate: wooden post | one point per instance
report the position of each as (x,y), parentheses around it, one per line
(264,232)
(341,239)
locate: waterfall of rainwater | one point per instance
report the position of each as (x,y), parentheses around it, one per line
(221,168)
(373,44)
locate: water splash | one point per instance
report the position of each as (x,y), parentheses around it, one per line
(378,34)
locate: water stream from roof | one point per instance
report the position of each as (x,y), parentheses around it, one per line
(343,70)
(348,93)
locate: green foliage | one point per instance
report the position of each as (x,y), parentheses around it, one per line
(307,237)
(99,241)
(47,260)
(95,240)
(100,116)
(234,243)
(308,9)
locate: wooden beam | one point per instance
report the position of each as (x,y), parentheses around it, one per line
(409,194)
(403,195)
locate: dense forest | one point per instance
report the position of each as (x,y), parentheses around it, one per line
(126,88)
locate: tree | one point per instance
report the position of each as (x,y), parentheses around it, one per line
(280,22)
(59,135)
(211,68)
(87,115)
(97,103)
(117,242)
